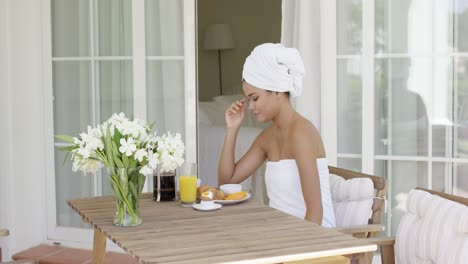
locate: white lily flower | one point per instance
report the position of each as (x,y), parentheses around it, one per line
(127,146)
(141,154)
(146,170)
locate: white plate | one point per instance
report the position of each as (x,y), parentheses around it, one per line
(233,201)
(215,206)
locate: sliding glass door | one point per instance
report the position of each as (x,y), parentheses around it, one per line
(400,76)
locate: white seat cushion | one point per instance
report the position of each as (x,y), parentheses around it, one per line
(352,200)
(433,230)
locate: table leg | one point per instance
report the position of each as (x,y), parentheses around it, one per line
(99,247)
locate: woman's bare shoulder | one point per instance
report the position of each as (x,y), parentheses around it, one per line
(265,135)
(305,134)
(303,127)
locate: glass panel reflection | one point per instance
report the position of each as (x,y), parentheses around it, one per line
(349,106)
(114,35)
(69,185)
(70,28)
(460,12)
(164,27)
(349,26)
(165,95)
(404,175)
(402,91)
(441,118)
(460,183)
(441,175)
(461,139)
(72,97)
(115,88)
(403,26)
(354,164)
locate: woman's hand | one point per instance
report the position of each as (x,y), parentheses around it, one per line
(235,114)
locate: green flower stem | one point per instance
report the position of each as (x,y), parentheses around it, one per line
(124,197)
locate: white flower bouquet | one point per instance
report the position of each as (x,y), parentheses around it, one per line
(129,150)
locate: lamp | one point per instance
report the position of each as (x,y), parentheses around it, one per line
(219,37)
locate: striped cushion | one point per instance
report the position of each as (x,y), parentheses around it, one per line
(352,200)
(433,230)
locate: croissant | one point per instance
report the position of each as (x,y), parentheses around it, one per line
(218,195)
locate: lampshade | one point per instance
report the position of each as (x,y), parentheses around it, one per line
(218,37)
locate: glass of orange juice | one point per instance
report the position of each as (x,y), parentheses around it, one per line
(188,184)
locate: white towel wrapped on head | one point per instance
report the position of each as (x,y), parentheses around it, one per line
(275,68)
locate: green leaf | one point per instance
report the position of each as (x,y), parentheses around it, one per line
(66,138)
(125,160)
(108,147)
(141,182)
(131,201)
(132,163)
(116,189)
(152,125)
(118,162)
(117,137)
(133,189)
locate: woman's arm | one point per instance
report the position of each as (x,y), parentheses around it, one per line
(229,171)
(304,150)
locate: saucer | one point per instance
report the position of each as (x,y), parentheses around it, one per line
(215,206)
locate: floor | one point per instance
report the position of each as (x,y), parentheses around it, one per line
(50,254)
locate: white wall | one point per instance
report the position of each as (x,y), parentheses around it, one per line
(22,162)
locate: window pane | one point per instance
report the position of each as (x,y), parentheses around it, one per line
(349,26)
(461,140)
(350,164)
(115,88)
(441,175)
(164,28)
(349,106)
(114,28)
(70,28)
(69,185)
(72,97)
(403,26)
(461,18)
(441,118)
(403,176)
(444,41)
(460,183)
(166,96)
(402,88)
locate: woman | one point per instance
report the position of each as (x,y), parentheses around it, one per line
(296,175)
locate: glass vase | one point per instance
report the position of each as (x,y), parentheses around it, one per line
(127,185)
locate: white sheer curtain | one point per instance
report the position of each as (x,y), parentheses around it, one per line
(300,28)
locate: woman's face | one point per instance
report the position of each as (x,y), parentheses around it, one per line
(263,104)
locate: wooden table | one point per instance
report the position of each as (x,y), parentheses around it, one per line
(243,233)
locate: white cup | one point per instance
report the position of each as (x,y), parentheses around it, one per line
(230,188)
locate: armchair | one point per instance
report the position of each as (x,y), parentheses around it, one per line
(3,233)
(433,230)
(358,200)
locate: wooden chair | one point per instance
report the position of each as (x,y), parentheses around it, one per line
(434,230)
(368,226)
(4,233)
